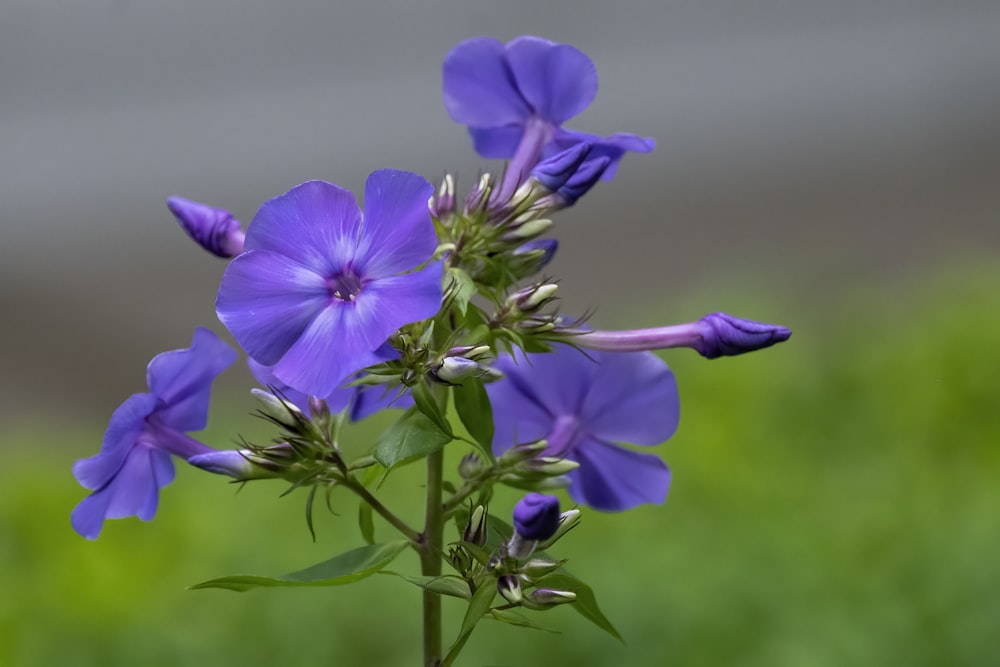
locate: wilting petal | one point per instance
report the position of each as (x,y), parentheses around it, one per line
(479,88)
(633,399)
(267,300)
(398,232)
(316,224)
(182,379)
(558,80)
(614,479)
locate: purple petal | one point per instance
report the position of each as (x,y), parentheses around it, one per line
(316,223)
(336,401)
(478,85)
(517,416)
(371,399)
(127,424)
(267,300)
(398,233)
(559,381)
(613,479)
(182,379)
(497,142)
(613,147)
(633,399)
(558,80)
(536,516)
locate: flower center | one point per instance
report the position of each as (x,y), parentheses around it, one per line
(345,285)
(563,436)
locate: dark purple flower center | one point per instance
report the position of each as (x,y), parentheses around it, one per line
(345,285)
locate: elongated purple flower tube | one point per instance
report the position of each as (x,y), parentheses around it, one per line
(582,407)
(215,229)
(134,462)
(536,516)
(515,97)
(321,288)
(715,335)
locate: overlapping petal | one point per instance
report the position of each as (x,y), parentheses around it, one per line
(127,422)
(479,87)
(398,230)
(557,80)
(613,479)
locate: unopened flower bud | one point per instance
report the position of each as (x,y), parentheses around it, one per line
(549,597)
(214,229)
(280,411)
(548,466)
(725,335)
(539,567)
(583,180)
(443,201)
(527,230)
(568,520)
(556,171)
(536,516)
(470,466)
(475,529)
(531,299)
(477,200)
(242,465)
(455,369)
(534,255)
(522,452)
(509,587)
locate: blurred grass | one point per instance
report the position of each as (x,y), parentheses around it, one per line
(835,502)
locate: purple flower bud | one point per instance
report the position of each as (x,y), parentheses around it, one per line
(454,370)
(553,173)
(725,335)
(583,180)
(536,516)
(443,201)
(215,229)
(241,465)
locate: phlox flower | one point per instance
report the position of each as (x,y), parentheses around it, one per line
(583,406)
(134,462)
(320,287)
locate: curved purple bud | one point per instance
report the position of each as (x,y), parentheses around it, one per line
(726,335)
(536,516)
(583,180)
(214,229)
(554,172)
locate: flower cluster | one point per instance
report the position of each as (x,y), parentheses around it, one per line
(419,300)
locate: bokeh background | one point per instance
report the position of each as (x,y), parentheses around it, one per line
(832,166)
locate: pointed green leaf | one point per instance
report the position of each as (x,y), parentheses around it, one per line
(450,585)
(585,604)
(517,618)
(412,437)
(365,522)
(461,289)
(473,406)
(429,407)
(478,606)
(346,568)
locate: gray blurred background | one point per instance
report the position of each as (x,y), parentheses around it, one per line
(810,144)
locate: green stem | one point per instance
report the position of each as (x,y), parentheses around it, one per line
(432,545)
(413,536)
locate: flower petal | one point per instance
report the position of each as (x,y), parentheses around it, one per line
(398,234)
(182,379)
(613,147)
(559,381)
(267,300)
(633,399)
(336,401)
(478,85)
(497,142)
(558,80)
(316,223)
(517,416)
(613,479)
(127,424)
(371,399)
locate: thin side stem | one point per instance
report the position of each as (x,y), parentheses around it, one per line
(384,512)
(430,558)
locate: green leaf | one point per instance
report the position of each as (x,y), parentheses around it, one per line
(424,398)
(478,606)
(346,568)
(473,406)
(450,585)
(412,437)
(585,604)
(461,289)
(365,522)
(517,618)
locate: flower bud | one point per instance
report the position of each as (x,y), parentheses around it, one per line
(474,352)
(470,466)
(725,335)
(533,256)
(477,201)
(546,466)
(443,201)
(583,180)
(553,173)
(527,230)
(242,465)
(475,529)
(214,229)
(280,411)
(533,298)
(568,520)
(522,452)
(509,587)
(549,597)
(536,516)
(536,568)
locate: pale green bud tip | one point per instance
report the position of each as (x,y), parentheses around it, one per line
(528,230)
(523,452)
(509,587)
(281,411)
(549,596)
(549,466)
(475,529)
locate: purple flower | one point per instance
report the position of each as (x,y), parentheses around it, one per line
(321,288)
(582,407)
(515,97)
(536,516)
(715,335)
(215,229)
(134,462)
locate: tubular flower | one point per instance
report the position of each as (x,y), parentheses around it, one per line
(321,287)
(214,229)
(515,97)
(134,462)
(582,406)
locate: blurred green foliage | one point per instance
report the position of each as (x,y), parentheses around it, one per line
(835,502)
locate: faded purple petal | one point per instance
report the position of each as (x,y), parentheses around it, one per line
(398,231)
(267,300)
(317,224)
(182,379)
(613,479)
(633,399)
(478,85)
(558,80)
